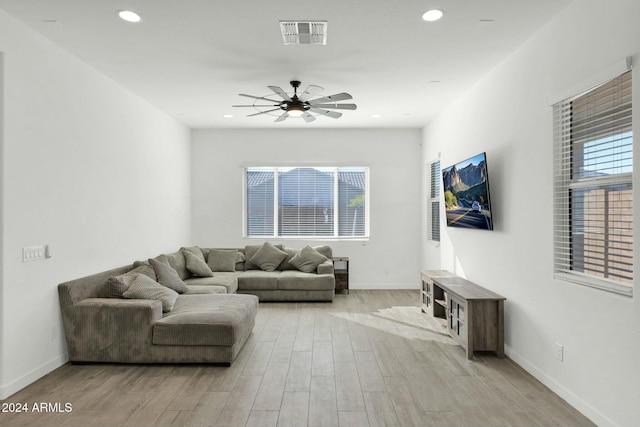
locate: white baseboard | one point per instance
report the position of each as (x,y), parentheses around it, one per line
(385,285)
(15,386)
(585,409)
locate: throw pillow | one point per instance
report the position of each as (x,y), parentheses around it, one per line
(240,261)
(286,264)
(194,250)
(308,260)
(167,276)
(197,267)
(222,259)
(143,287)
(117,285)
(268,257)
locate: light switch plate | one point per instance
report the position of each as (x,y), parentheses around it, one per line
(34,253)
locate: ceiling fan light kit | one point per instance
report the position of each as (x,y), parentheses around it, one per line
(302,105)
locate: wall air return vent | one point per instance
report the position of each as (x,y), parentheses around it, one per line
(304,32)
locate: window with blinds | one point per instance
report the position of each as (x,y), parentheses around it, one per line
(306,202)
(593,198)
(433,202)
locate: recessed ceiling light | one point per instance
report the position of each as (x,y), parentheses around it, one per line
(432,15)
(129,16)
(376,116)
(228,116)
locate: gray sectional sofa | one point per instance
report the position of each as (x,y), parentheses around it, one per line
(196,305)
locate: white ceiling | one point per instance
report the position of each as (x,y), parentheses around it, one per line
(191,58)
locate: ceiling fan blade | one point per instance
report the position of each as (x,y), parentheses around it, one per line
(337,106)
(333,98)
(258,97)
(310,91)
(308,117)
(280,92)
(256,105)
(263,112)
(332,114)
(282,117)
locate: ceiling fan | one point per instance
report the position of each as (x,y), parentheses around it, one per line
(303,105)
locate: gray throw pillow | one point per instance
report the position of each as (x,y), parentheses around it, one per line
(168,276)
(116,285)
(308,260)
(222,259)
(268,257)
(143,287)
(286,264)
(196,265)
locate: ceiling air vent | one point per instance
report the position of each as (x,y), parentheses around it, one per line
(304,32)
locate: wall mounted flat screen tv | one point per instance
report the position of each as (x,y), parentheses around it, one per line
(466,194)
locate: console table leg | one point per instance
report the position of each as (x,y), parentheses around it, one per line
(469,319)
(500,349)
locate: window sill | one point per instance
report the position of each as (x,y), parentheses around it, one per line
(315,239)
(592,282)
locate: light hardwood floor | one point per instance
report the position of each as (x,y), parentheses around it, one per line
(367,359)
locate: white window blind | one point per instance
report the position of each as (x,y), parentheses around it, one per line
(306,202)
(433,202)
(593,198)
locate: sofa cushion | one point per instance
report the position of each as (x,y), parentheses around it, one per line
(308,259)
(298,280)
(206,289)
(197,265)
(167,276)
(268,257)
(116,285)
(259,280)
(179,264)
(207,320)
(228,280)
(144,287)
(222,259)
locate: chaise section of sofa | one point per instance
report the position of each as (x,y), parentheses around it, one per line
(204,328)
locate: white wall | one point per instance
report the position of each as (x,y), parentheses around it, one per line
(88,168)
(390,259)
(508,115)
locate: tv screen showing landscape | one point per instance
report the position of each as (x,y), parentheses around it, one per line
(466,194)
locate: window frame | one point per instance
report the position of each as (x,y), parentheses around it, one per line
(336,211)
(566,148)
(433,200)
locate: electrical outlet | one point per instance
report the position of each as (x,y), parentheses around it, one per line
(559,352)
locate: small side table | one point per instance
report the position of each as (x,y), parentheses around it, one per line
(341,273)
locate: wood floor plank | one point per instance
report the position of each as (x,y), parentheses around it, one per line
(322,359)
(269,397)
(353,419)
(263,419)
(380,409)
(323,408)
(207,410)
(342,350)
(368,371)
(348,391)
(295,409)
(238,406)
(299,376)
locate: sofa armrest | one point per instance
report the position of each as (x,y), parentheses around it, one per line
(326,267)
(110,329)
